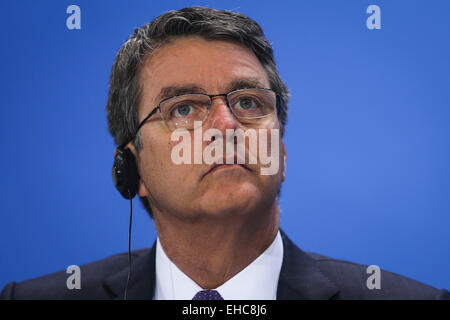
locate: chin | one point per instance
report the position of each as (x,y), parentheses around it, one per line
(229,202)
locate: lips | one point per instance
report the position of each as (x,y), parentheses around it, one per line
(224,163)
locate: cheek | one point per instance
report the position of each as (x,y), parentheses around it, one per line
(155,161)
(158,171)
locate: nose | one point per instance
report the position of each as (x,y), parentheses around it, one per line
(220,116)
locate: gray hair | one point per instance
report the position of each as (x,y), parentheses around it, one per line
(210,24)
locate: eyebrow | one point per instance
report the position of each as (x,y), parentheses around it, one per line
(245,84)
(177,90)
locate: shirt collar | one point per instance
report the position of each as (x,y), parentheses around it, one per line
(257,281)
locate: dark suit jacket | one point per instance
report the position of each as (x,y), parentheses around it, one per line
(303,276)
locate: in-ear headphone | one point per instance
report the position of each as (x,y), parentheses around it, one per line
(125,173)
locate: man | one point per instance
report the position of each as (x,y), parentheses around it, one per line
(217,221)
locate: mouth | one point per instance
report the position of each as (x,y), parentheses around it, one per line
(224,166)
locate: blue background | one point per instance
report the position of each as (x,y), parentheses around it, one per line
(368,175)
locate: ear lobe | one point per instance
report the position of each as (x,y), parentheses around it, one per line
(142,191)
(130,146)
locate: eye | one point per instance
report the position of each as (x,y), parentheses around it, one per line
(183,110)
(246,104)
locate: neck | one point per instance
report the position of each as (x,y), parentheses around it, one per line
(212,250)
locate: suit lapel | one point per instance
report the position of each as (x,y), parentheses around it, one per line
(300,278)
(142,280)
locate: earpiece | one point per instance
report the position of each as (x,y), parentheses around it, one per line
(126,179)
(125,173)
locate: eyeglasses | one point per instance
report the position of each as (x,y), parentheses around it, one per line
(247,105)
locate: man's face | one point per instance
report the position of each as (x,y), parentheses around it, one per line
(193,190)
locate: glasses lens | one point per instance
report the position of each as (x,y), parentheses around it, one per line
(252,103)
(182,111)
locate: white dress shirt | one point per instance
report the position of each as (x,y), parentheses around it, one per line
(257,281)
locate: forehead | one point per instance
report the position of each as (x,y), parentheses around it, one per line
(210,66)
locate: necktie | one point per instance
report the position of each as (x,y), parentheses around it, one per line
(207,295)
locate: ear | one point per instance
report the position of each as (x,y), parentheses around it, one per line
(283,150)
(142,189)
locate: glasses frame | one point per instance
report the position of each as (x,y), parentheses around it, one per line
(211,96)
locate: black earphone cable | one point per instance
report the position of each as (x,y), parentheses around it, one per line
(129,248)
